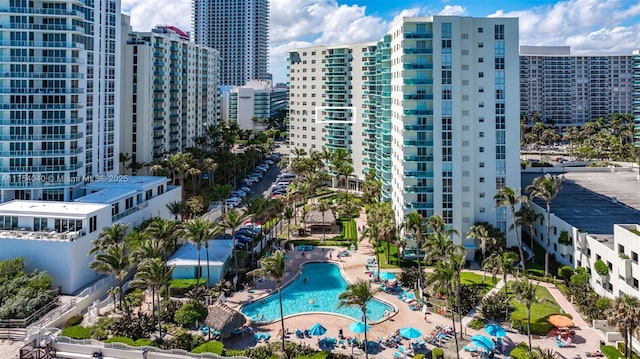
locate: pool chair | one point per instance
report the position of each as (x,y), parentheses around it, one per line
(398,355)
(403,294)
(306,333)
(257,337)
(266,336)
(410,296)
(299,334)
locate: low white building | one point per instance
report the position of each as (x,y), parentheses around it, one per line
(589,222)
(56,237)
(185,261)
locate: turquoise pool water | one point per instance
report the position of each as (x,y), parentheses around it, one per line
(319,294)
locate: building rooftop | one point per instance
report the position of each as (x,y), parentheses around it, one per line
(595,201)
(49,208)
(107,196)
(187,255)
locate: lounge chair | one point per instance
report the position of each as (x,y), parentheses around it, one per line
(403,294)
(306,333)
(299,334)
(266,336)
(398,355)
(258,337)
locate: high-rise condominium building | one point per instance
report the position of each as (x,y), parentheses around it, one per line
(239,29)
(169,92)
(569,90)
(257,100)
(59,73)
(636,95)
(433,107)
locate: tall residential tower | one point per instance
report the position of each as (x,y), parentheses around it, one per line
(239,29)
(59,73)
(433,107)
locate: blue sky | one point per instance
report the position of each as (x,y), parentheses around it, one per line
(588,26)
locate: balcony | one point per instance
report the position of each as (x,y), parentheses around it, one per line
(61,137)
(418,66)
(419,205)
(40,169)
(418,97)
(40,106)
(415,50)
(415,158)
(413,127)
(418,174)
(418,112)
(421,143)
(42,153)
(41,59)
(418,35)
(418,81)
(419,189)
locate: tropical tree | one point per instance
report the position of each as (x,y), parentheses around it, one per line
(371,188)
(358,294)
(232,220)
(442,278)
(511,198)
(165,232)
(199,231)
(153,274)
(254,208)
(177,209)
(526,216)
(273,267)
(525,291)
(114,261)
(500,263)
(289,213)
(416,224)
(109,236)
(625,315)
(124,158)
(323,207)
(148,249)
(546,188)
(480,233)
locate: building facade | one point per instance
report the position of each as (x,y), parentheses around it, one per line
(569,90)
(169,92)
(636,96)
(256,100)
(429,106)
(56,237)
(59,73)
(239,29)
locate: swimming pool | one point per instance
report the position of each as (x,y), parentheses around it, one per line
(318,294)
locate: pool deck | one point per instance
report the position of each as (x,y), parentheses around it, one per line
(353,267)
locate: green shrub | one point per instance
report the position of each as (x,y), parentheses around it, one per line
(191,312)
(565,272)
(437,353)
(209,347)
(134,343)
(476,324)
(134,298)
(180,287)
(611,352)
(601,267)
(521,351)
(419,356)
(77,332)
(75,320)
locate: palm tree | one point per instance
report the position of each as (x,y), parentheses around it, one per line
(500,263)
(358,294)
(415,223)
(124,158)
(289,213)
(232,220)
(114,260)
(165,232)
(152,274)
(199,231)
(254,207)
(526,216)
(546,188)
(109,236)
(525,291)
(437,246)
(273,267)
(625,315)
(442,278)
(177,209)
(508,197)
(149,249)
(323,207)
(480,233)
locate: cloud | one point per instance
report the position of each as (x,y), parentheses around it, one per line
(588,26)
(146,14)
(453,10)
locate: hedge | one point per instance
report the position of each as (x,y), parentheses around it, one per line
(437,353)
(143,342)
(520,352)
(77,332)
(180,287)
(214,346)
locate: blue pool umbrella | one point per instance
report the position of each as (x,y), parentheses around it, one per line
(410,333)
(359,327)
(387,276)
(317,329)
(495,330)
(482,341)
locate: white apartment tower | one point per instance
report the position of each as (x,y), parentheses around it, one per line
(239,29)
(59,73)
(169,92)
(570,90)
(257,100)
(435,110)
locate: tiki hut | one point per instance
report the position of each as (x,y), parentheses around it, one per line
(313,221)
(224,319)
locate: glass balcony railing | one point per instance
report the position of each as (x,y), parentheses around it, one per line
(62,137)
(412,127)
(416,158)
(418,35)
(419,205)
(415,50)
(419,174)
(418,112)
(419,189)
(418,96)
(37,169)
(418,81)
(425,143)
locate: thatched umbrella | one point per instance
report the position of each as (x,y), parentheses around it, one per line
(224,319)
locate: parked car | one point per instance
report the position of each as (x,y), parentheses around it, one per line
(232,202)
(245,189)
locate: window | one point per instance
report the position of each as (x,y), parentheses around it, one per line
(620,248)
(481,195)
(481,209)
(481,164)
(634,257)
(481,179)
(498,32)
(481,149)
(93,224)
(481,59)
(445,28)
(635,283)
(480,30)
(480,74)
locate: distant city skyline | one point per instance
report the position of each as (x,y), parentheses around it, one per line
(588,26)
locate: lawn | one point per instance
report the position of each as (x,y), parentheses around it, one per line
(348,229)
(471,278)
(540,311)
(395,261)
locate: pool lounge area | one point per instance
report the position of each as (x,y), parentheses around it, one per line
(314,290)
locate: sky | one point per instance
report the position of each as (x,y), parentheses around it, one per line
(588,26)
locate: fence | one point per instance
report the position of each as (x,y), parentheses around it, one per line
(120,350)
(11,328)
